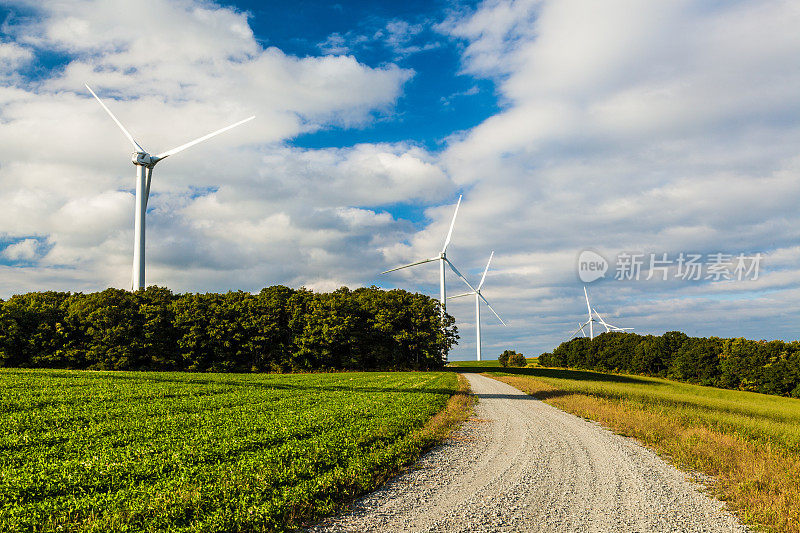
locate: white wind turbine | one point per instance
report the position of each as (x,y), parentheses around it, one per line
(144,163)
(442,258)
(478,298)
(590,322)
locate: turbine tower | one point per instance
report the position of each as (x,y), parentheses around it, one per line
(144,163)
(590,322)
(442,258)
(478,298)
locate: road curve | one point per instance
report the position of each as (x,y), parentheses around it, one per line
(522,465)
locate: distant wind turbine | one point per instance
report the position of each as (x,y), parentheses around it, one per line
(590,322)
(478,298)
(442,258)
(144,163)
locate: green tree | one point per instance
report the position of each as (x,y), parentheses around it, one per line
(105,331)
(517,359)
(34,333)
(697,361)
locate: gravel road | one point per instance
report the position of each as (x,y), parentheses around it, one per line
(522,465)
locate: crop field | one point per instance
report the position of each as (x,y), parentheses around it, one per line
(136,451)
(749,442)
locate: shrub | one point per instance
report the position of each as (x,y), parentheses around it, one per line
(517,359)
(511,358)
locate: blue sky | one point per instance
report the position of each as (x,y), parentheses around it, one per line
(436,102)
(567,125)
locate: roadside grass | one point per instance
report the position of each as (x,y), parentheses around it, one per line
(749,442)
(467,364)
(138,451)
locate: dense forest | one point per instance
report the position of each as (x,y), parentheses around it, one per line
(771,367)
(277,330)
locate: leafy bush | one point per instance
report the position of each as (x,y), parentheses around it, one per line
(511,358)
(517,359)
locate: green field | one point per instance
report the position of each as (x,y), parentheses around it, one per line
(134,451)
(750,442)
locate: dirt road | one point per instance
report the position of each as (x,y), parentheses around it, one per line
(522,465)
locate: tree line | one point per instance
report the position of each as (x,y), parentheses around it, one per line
(276,330)
(770,367)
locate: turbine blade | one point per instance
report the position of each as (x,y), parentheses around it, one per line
(598,315)
(201,139)
(452,224)
(586,294)
(126,132)
(606,325)
(147,186)
(409,265)
(460,295)
(454,269)
(574,332)
(483,278)
(492,309)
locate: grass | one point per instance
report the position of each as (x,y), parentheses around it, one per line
(136,451)
(468,364)
(749,442)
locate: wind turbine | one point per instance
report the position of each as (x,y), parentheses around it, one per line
(144,163)
(590,322)
(478,298)
(442,258)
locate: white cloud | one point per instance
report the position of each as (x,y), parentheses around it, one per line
(400,37)
(24,250)
(655,127)
(12,57)
(243,210)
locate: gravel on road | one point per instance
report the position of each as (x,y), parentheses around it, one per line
(522,465)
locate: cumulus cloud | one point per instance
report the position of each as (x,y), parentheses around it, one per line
(244,210)
(24,250)
(12,57)
(629,126)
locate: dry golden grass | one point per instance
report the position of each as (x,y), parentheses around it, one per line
(759,478)
(458,409)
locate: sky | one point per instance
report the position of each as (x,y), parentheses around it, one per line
(642,135)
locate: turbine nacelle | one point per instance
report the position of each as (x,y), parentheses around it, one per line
(144,159)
